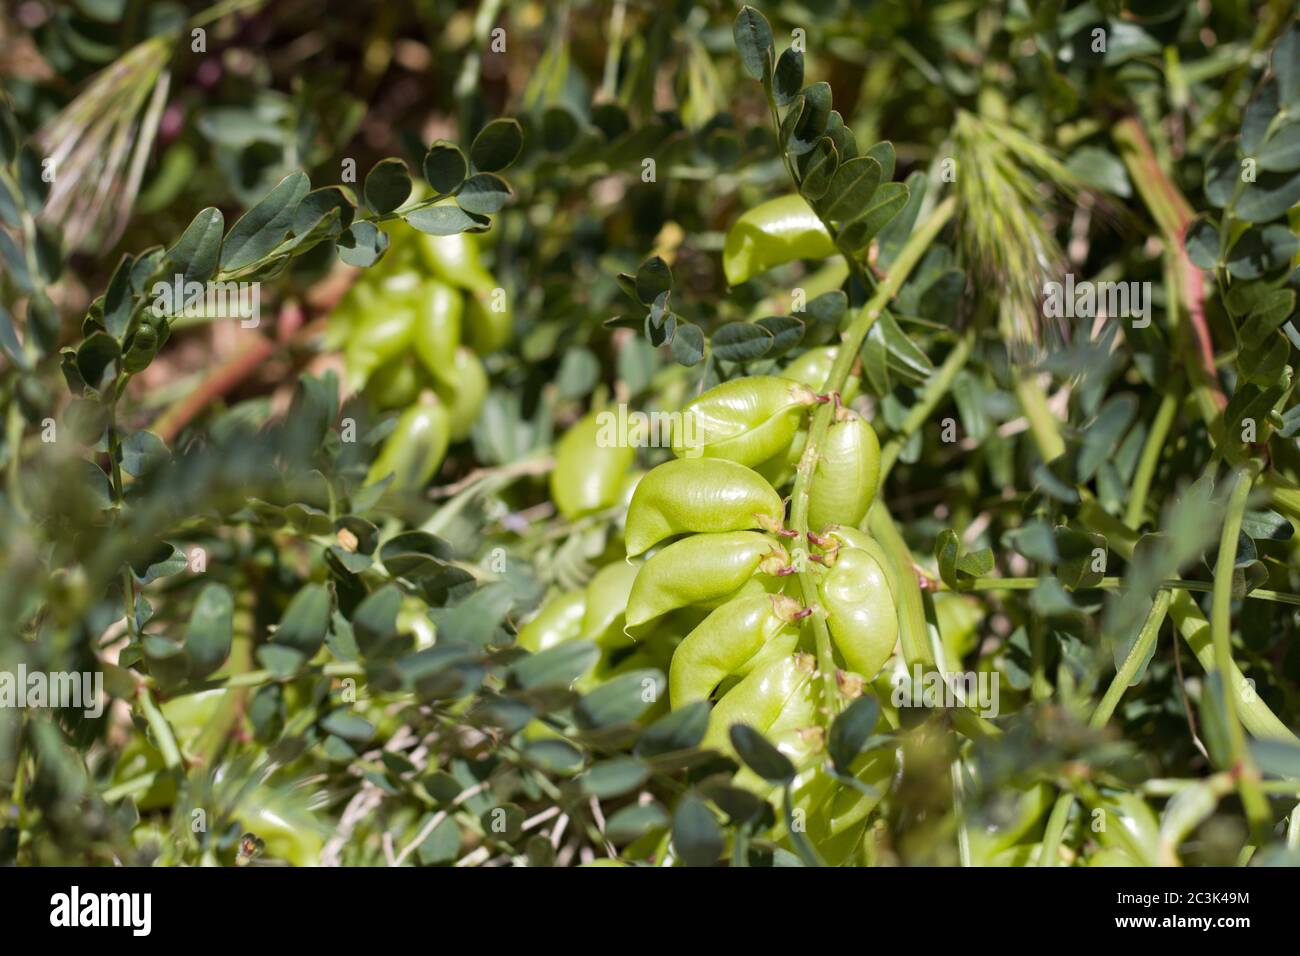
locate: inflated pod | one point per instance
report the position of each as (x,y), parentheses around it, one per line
(402,255)
(590,467)
(382,335)
(813,368)
(436,330)
(343,318)
(627,489)
(847,536)
(414,450)
(780,469)
(704,569)
(847,474)
(778,700)
(778,231)
(861,614)
(698,495)
(838,816)
(746,420)
(607,596)
(464,387)
(395,384)
(455,260)
(559,620)
(841,536)
(734,639)
(489,319)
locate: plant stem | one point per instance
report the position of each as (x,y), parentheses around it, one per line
(914,635)
(162,731)
(128,788)
(219,10)
(259,677)
(14,438)
(609,79)
(1256,807)
(1114,583)
(851,342)
(119,496)
(1043,425)
(1138,653)
(1146,467)
(799,503)
(1183,281)
(846,354)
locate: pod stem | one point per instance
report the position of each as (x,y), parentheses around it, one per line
(846,355)
(777,563)
(1243,765)
(774,526)
(788,609)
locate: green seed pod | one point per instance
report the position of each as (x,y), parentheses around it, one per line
(780,469)
(463,388)
(402,256)
(490,320)
(436,331)
(836,812)
(559,620)
(779,701)
(380,336)
(455,260)
(414,450)
(703,569)
(778,231)
(847,536)
(746,420)
(144,343)
(395,384)
(736,638)
(590,466)
(699,494)
(848,472)
(607,594)
(837,537)
(813,368)
(860,610)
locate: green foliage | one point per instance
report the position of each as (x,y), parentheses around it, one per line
(316,556)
